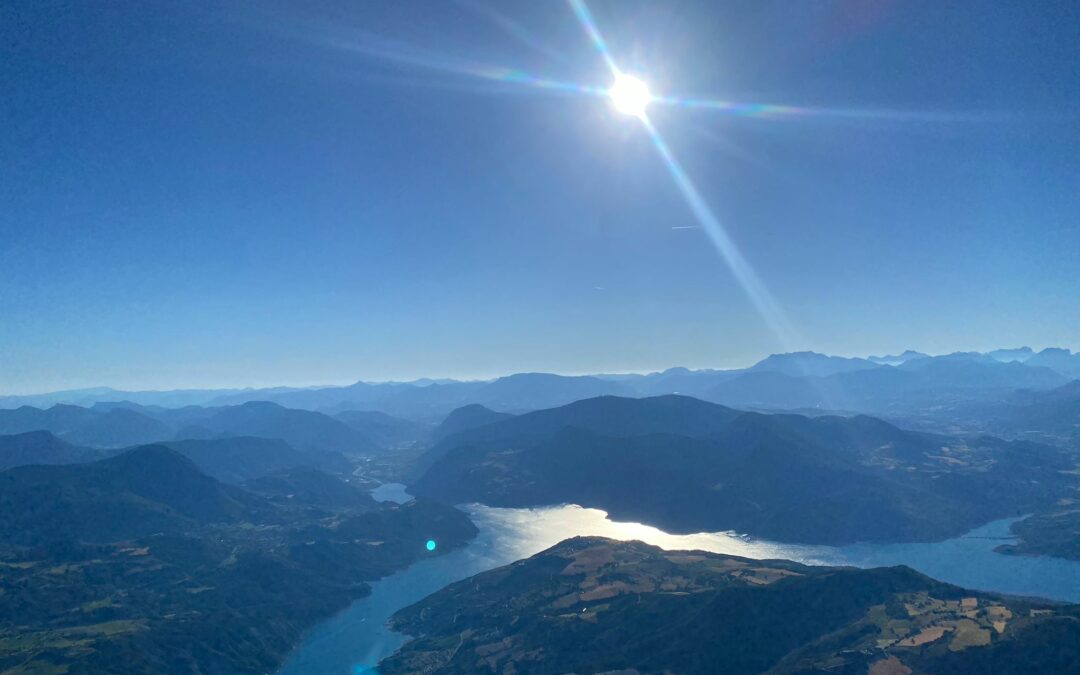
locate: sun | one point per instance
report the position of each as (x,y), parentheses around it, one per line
(630,95)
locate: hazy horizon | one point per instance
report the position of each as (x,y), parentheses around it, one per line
(278,194)
(308,384)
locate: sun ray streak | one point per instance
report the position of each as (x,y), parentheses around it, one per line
(771,110)
(742,270)
(585,17)
(392,51)
(740,267)
(514,29)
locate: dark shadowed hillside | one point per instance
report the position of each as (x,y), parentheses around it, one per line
(385,431)
(311,487)
(467,417)
(59,419)
(120,427)
(687,465)
(41,447)
(236,459)
(799,364)
(142,564)
(137,493)
(606,415)
(303,429)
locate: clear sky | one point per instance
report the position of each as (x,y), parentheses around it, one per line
(213,194)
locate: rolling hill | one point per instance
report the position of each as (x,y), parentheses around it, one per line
(237,459)
(687,465)
(134,494)
(467,417)
(303,429)
(141,563)
(593,605)
(41,447)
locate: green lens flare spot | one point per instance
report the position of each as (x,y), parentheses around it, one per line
(430,544)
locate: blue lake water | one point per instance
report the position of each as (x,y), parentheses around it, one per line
(391,492)
(357,639)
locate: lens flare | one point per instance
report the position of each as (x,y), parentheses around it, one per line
(630,95)
(740,267)
(585,18)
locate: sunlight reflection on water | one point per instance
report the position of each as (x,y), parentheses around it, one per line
(526,532)
(357,639)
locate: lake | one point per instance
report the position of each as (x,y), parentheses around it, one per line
(356,639)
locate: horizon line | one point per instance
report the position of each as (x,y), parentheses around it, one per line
(481,379)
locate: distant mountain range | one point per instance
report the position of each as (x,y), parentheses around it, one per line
(118,425)
(891,384)
(206,532)
(592,605)
(687,465)
(41,447)
(234,459)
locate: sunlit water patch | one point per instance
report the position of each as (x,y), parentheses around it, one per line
(357,639)
(391,492)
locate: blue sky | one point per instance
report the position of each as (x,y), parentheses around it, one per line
(198,194)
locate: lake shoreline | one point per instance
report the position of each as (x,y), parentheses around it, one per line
(358,638)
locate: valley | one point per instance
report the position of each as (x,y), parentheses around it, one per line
(141,563)
(137,538)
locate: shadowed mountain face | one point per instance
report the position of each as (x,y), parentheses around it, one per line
(467,417)
(41,447)
(237,459)
(686,465)
(304,430)
(611,416)
(811,364)
(605,415)
(311,487)
(81,426)
(137,493)
(1048,416)
(1060,360)
(140,563)
(125,424)
(59,419)
(523,391)
(909,381)
(385,431)
(234,459)
(591,605)
(917,384)
(120,427)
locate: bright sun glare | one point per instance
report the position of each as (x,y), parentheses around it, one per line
(630,95)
